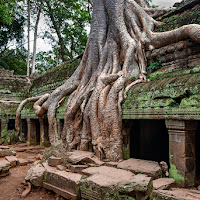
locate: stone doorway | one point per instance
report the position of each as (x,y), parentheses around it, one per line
(149,140)
(11,124)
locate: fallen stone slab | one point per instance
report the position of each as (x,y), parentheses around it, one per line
(82,157)
(111,183)
(53,161)
(176,194)
(163,183)
(117,175)
(23,162)
(77,168)
(4,168)
(7,152)
(4,147)
(139,187)
(36,175)
(12,160)
(150,168)
(63,183)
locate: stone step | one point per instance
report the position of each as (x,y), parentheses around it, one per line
(150,168)
(4,168)
(78,168)
(63,183)
(7,152)
(12,160)
(23,162)
(163,183)
(4,147)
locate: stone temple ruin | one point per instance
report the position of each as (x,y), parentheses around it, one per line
(163,115)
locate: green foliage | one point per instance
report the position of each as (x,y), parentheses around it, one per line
(14,60)
(45,61)
(10,136)
(70,18)
(133,78)
(154,6)
(7,9)
(155,65)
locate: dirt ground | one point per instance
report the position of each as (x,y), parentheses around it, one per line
(11,187)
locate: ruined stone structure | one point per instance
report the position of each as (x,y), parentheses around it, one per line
(162,114)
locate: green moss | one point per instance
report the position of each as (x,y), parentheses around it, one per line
(173,173)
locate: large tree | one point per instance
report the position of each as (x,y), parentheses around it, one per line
(121,33)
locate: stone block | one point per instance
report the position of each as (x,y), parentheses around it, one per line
(4,168)
(4,147)
(175,194)
(12,160)
(111,164)
(111,183)
(163,183)
(36,175)
(6,152)
(82,157)
(60,167)
(53,161)
(78,168)
(140,187)
(23,162)
(63,183)
(150,168)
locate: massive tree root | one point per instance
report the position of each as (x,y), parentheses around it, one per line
(121,32)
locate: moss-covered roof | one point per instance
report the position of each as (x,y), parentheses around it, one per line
(178,90)
(188,13)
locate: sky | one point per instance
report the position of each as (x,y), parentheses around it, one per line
(43,45)
(167,3)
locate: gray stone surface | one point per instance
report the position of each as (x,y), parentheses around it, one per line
(175,194)
(61,167)
(82,157)
(12,160)
(150,168)
(198,187)
(163,183)
(36,175)
(78,168)
(4,168)
(107,175)
(23,162)
(53,161)
(6,152)
(139,187)
(63,183)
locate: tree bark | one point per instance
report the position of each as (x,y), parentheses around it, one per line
(35,38)
(29,24)
(121,33)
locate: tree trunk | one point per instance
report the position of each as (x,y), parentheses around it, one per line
(29,24)
(121,32)
(35,38)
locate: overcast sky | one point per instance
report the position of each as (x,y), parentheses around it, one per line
(167,3)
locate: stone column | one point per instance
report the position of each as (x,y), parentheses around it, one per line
(31,135)
(182,151)
(42,140)
(4,125)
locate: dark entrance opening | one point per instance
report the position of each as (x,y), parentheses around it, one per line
(24,130)
(197,147)
(11,124)
(149,140)
(37,124)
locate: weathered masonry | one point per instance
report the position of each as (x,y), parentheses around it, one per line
(162,114)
